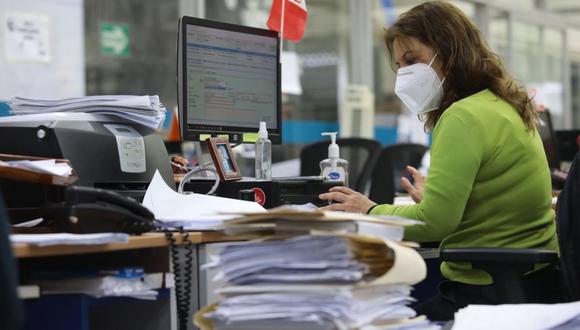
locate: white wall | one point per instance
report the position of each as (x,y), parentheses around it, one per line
(63,73)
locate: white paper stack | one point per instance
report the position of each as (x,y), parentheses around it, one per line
(298,220)
(146,110)
(316,282)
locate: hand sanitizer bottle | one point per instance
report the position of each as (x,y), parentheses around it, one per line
(334,168)
(263,154)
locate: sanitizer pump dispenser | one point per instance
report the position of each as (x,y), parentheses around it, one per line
(334,168)
(263,154)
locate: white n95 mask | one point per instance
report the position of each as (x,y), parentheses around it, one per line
(419,87)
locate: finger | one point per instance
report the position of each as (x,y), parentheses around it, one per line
(417,197)
(333,207)
(413,171)
(417,176)
(343,190)
(415,193)
(335,196)
(408,186)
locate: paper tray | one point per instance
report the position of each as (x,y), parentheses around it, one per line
(19,174)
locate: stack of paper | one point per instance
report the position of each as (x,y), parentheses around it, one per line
(192,211)
(299,221)
(146,110)
(316,282)
(48,166)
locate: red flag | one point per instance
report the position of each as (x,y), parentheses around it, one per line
(295,15)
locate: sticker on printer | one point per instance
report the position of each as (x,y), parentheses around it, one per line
(131,148)
(259,196)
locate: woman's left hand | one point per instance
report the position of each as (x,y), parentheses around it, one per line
(347,200)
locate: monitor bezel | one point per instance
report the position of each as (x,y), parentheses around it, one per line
(235,134)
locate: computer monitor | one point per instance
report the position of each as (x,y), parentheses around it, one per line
(546,131)
(228,80)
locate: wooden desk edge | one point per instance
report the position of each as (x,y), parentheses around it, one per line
(149,240)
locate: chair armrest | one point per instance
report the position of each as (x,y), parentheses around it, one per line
(499,255)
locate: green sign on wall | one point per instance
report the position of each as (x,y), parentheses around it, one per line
(115,39)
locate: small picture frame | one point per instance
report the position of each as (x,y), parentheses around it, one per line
(223,159)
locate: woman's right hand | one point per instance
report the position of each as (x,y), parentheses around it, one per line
(415,191)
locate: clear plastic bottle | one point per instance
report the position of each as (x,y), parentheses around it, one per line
(263,154)
(334,168)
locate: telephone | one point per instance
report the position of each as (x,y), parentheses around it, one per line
(93,210)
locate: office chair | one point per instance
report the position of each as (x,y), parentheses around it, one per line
(507,266)
(568,227)
(568,144)
(390,166)
(359,152)
(10,307)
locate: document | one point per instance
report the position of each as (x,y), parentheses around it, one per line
(520,316)
(69,239)
(193,211)
(27,37)
(48,166)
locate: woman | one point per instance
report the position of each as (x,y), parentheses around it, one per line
(488,184)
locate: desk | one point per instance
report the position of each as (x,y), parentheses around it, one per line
(149,240)
(150,251)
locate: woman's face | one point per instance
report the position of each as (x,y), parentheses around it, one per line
(410,51)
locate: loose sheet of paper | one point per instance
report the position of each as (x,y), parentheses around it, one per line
(192,211)
(69,239)
(521,316)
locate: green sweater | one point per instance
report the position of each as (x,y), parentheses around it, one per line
(488,185)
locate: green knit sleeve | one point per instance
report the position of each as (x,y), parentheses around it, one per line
(456,156)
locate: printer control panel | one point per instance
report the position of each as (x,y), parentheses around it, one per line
(131,147)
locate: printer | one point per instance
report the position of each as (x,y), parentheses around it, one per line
(270,193)
(106,151)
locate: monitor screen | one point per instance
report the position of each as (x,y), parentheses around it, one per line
(228,80)
(548,137)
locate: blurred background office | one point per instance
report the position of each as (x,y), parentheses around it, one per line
(66,48)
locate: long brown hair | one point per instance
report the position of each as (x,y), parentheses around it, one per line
(469,65)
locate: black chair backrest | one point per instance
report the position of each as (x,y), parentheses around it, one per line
(390,166)
(568,226)
(10,308)
(359,152)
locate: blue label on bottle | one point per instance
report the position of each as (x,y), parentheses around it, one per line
(334,175)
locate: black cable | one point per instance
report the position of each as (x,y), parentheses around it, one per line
(183,278)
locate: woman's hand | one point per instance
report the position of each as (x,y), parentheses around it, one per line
(347,200)
(416,191)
